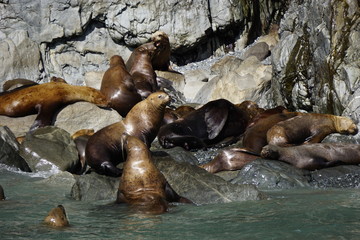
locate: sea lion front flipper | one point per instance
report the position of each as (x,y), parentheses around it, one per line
(215,119)
(44,117)
(109,169)
(172,196)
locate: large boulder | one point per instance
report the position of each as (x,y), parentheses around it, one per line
(51,150)
(9,150)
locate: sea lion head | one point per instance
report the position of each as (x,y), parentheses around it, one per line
(251,108)
(160,39)
(345,125)
(57,217)
(159,98)
(116,60)
(270,152)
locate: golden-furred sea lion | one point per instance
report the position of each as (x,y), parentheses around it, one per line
(103,150)
(118,86)
(142,185)
(309,128)
(161,58)
(57,217)
(46,100)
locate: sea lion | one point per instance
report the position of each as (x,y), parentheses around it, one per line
(17,83)
(57,217)
(254,138)
(161,58)
(57,79)
(174,114)
(229,160)
(103,150)
(309,128)
(140,68)
(142,185)
(2,194)
(80,139)
(218,121)
(314,156)
(46,100)
(118,87)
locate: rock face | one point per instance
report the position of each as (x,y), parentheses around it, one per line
(74,39)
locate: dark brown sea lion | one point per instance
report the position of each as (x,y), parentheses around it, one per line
(17,83)
(174,114)
(142,185)
(254,139)
(57,217)
(218,121)
(103,150)
(81,138)
(140,67)
(161,58)
(2,194)
(314,156)
(46,100)
(118,86)
(229,160)
(309,128)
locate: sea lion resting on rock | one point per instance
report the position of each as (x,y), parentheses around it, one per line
(118,87)
(209,125)
(142,185)
(140,68)
(57,217)
(314,156)
(309,128)
(103,150)
(46,100)
(254,140)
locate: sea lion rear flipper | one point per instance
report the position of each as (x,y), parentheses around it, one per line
(172,196)
(215,119)
(44,117)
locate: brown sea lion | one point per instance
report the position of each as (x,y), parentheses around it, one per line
(254,139)
(81,138)
(46,100)
(314,156)
(174,114)
(118,86)
(142,185)
(140,68)
(309,128)
(2,194)
(57,217)
(218,121)
(161,58)
(17,83)
(229,160)
(103,150)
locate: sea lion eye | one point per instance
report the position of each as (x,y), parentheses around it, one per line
(159,96)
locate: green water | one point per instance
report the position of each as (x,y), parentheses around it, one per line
(290,214)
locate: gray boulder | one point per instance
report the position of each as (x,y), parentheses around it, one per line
(50,149)
(9,150)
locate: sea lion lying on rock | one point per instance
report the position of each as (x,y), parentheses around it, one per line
(309,128)
(46,100)
(314,156)
(209,125)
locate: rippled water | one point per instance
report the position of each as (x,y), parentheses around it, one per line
(295,214)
